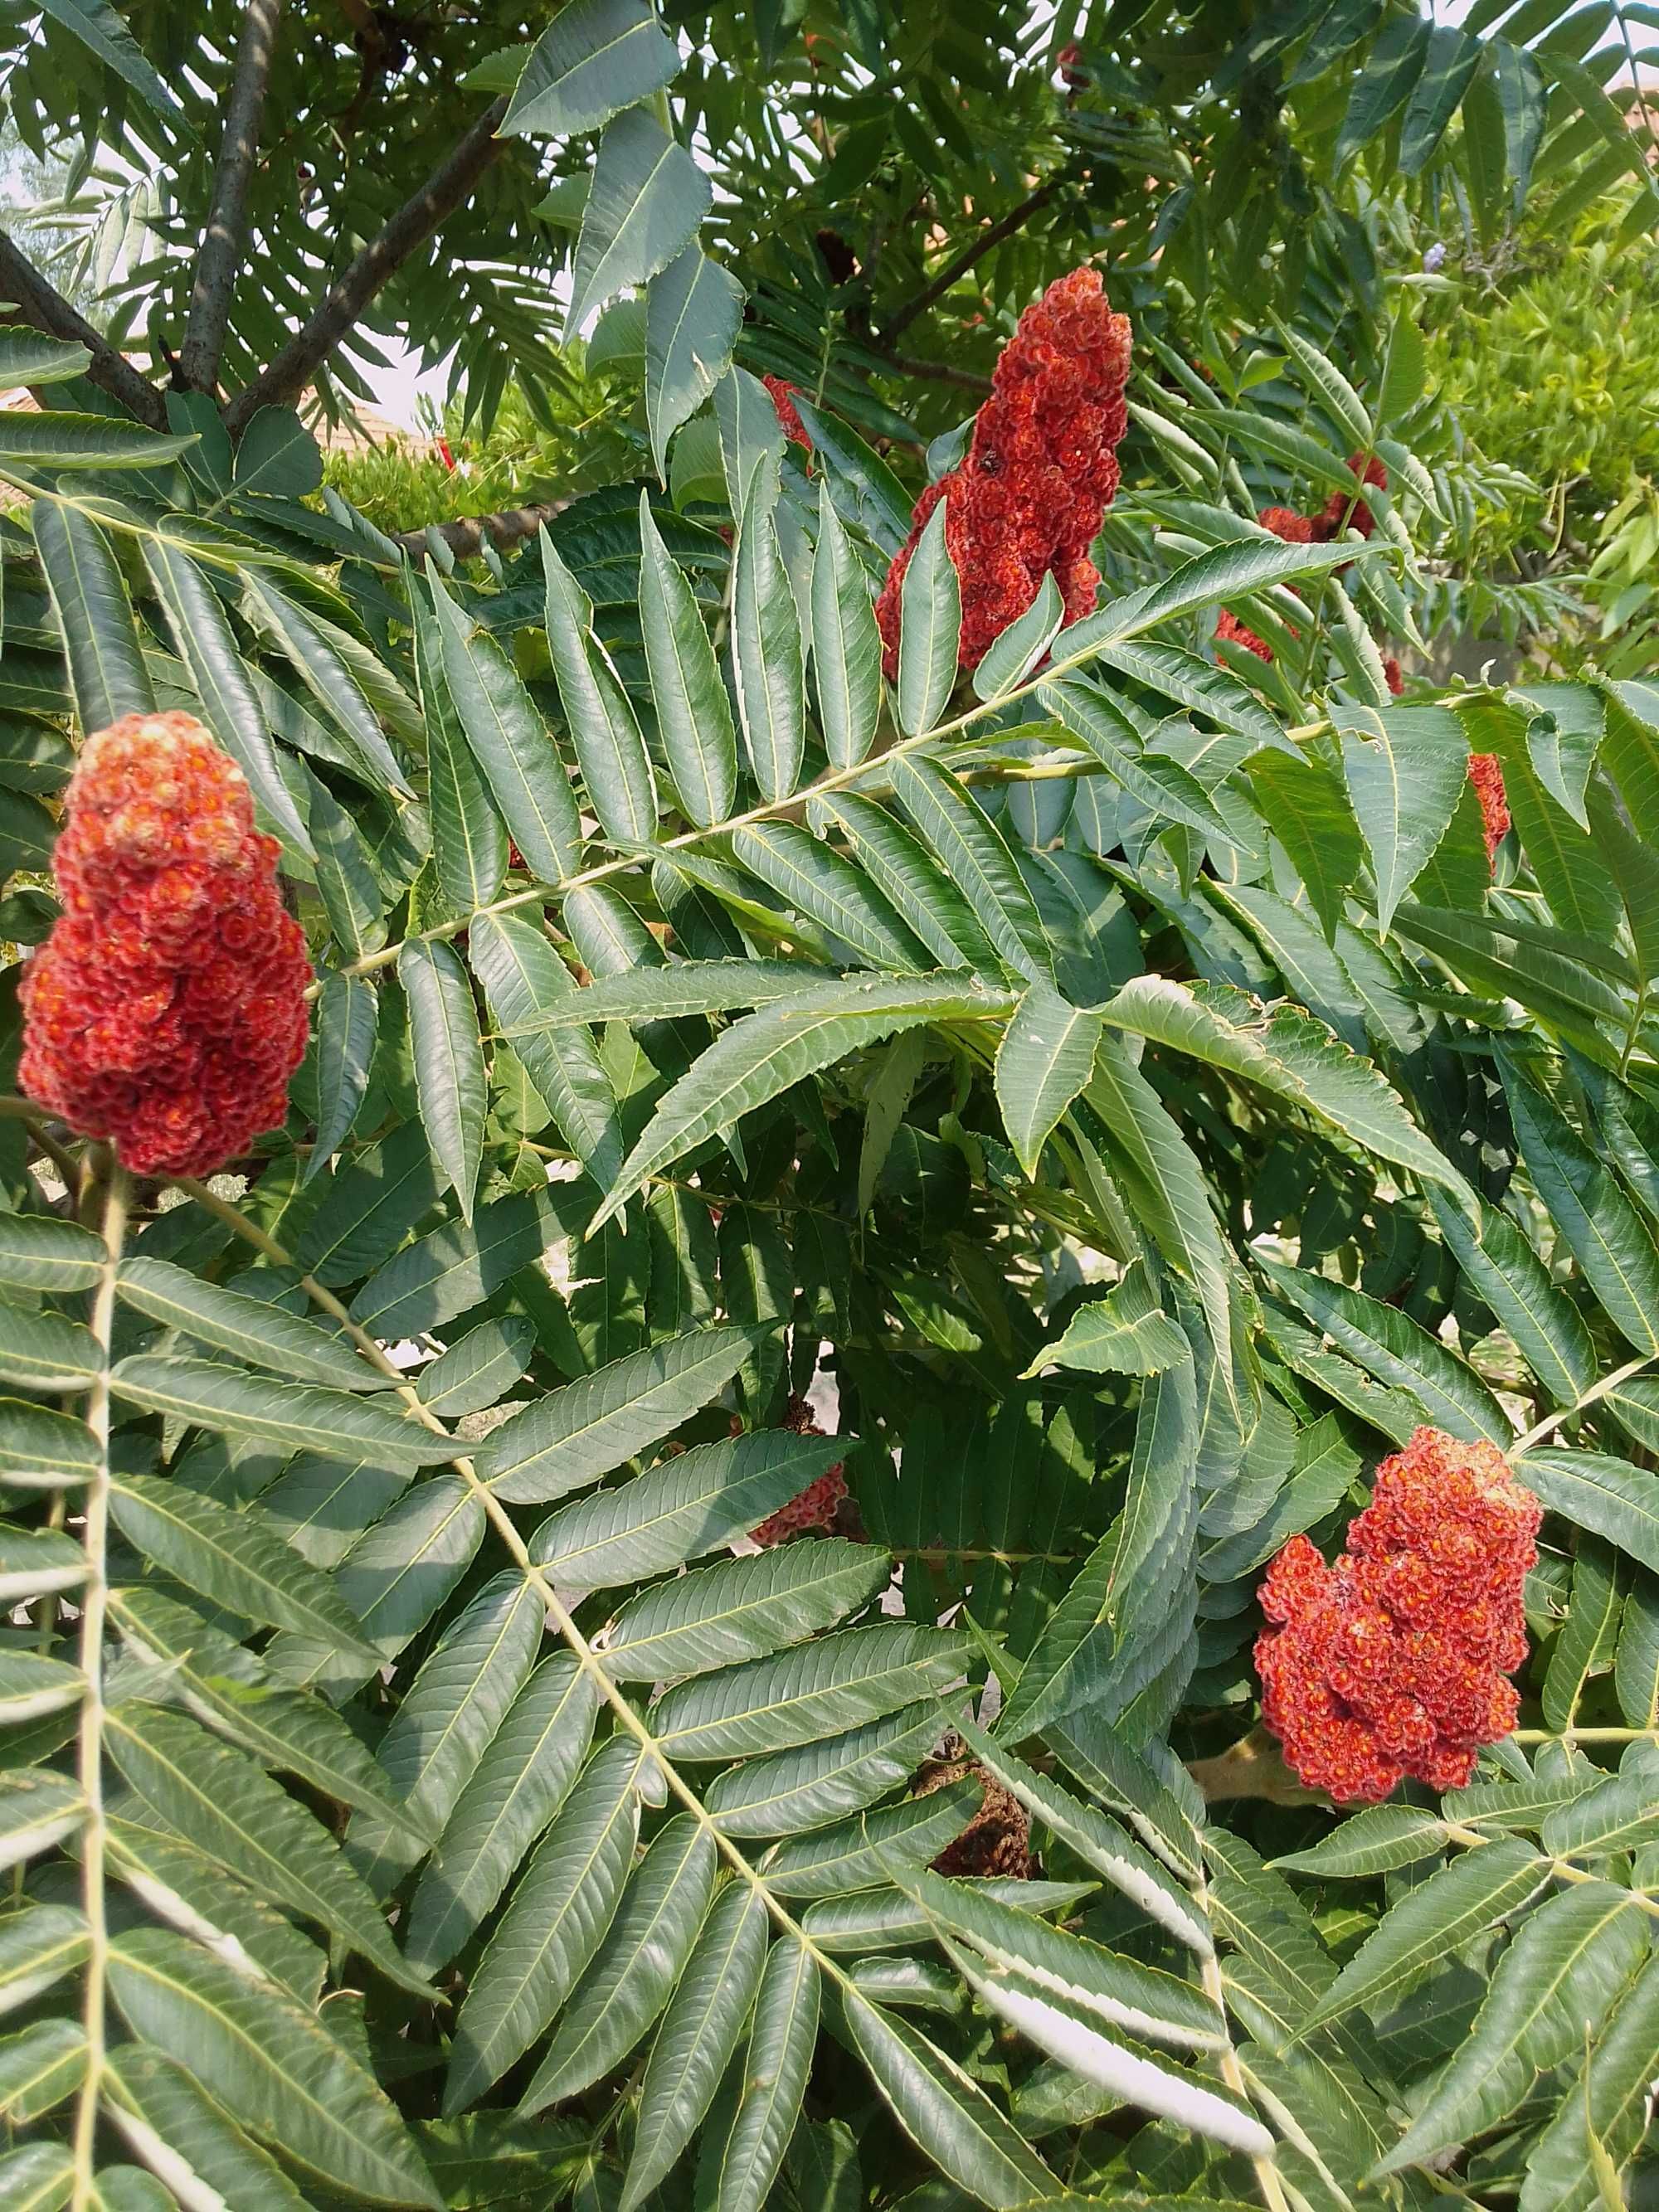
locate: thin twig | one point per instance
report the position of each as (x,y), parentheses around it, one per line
(450,184)
(1560,1870)
(933,372)
(1551,1422)
(1586,1736)
(1267,2174)
(220,259)
(975,250)
(465,537)
(93,1606)
(42,305)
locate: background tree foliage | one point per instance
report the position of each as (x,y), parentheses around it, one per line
(1114,1087)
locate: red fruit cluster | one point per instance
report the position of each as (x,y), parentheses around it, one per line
(1484,773)
(817,1504)
(783,399)
(1396,1661)
(1336,514)
(1315,530)
(1041,469)
(166,1010)
(1488,777)
(1066,61)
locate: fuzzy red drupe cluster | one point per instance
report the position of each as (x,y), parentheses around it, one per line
(1342,511)
(816,1507)
(783,399)
(1295,529)
(1488,777)
(1040,470)
(1396,1661)
(166,1010)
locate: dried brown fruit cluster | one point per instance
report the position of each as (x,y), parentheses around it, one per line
(997,1839)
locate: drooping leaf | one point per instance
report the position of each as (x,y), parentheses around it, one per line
(302,1417)
(60,439)
(252,1825)
(700,2031)
(693,711)
(1160,784)
(202,632)
(1567,1967)
(346,882)
(740,1609)
(635,1970)
(604,731)
(277,455)
(690,1504)
(517,1787)
(1125,1333)
(944,2112)
(554,1923)
(449,1071)
(1103,1845)
(766,1705)
(456,1701)
(272,2064)
(694,309)
(1612,1242)
(930,623)
(512,745)
(250,1328)
(30,356)
(1307,806)
(758,1058)
(348,1031)
(1400,1353)
(742,2169)
(230,1557)
(920,891)
(105,662)
(1405,768)
(153,2101)
(595,58)
(645,203)
(846,643)
(805,1785)
(571,1437)
(1290,1053)
(468,840)
(322,667)
(1045,1058)
(1605,2109)
(1391,71)
(40,1252)
(767,673)
(1453,1905)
